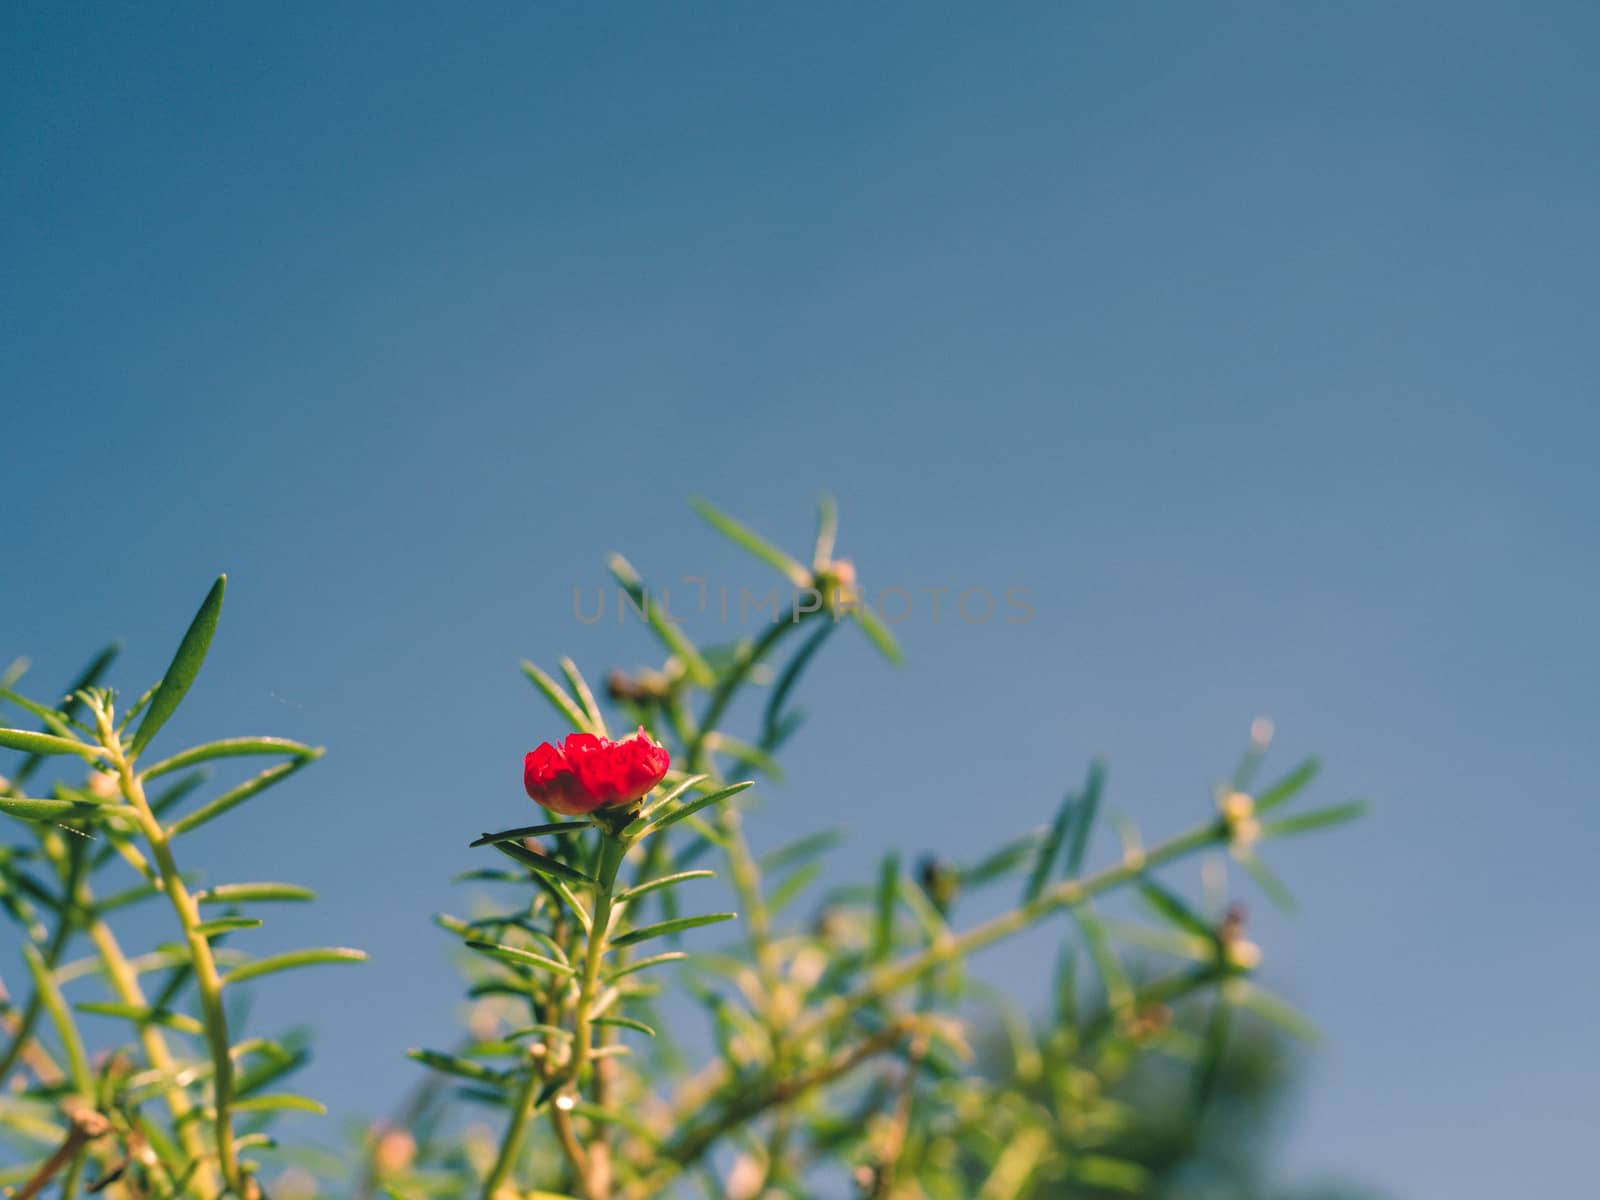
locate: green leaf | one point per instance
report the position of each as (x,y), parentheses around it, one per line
(752,542)
(49,992)
(641,889)
(1213,1052)
(1267,880)
(452,1064)
(694,806)
(90,676)
(522,958)
(244,893)
(827,530)
(185,666)
(743,753)
(291,960)
(139,1015)
(671,636)
(594,721)
(792,886)
(544,1031)
(553,692)
(1119,991)
(1044,862)
(625,1023)
(1175,910)
(1163,939)
(1317,818)
(772,717)
(542,864)
(1003,861)
(878,634)
(53,720)
(236,796)
(1088,810)
(528,831)
(644,964)
(645,932)
(883,910)
(1271,1008)
(45,810)
(229,748)
(667,798)
(1288,787)
(45,743)
(801,850)
(226,925)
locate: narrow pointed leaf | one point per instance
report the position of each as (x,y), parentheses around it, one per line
(295,958)
(671,636)
(884,906)
(1088,810)
(522,958)
(542,863)
(626,1023)
(91,675)
(181,1022)
(649,886)
(1004,860)
(234,797)
(1045,860)
(185,666)
(278,1102)
(452,1064)
(594,721)
(53,720)
(1272,1008)
(644,964)
(1317,818)
(45,810)
(530,831)
(878,634)
(1267,880)
(244,893)
(226,925)
(45,743)
(1288,787)
(644,933)
(801,850)
(694,806)
(229,748)
(49,992)
(1174,909)
(791,676)
(556,694)
(753,542)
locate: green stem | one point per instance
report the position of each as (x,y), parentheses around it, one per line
(1066,894)
(611,852)
(511,1143)
(693,1140)
(208,981)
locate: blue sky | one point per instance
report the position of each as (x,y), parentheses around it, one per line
(1258,343)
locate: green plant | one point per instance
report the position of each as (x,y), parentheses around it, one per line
(165,1118)
(834,1055)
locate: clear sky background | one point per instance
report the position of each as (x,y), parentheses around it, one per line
(1258,341)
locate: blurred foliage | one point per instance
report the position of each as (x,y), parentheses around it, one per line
(832,1055)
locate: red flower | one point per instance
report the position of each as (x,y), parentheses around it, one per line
(587,772)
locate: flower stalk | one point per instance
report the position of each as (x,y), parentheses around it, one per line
(207,979)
